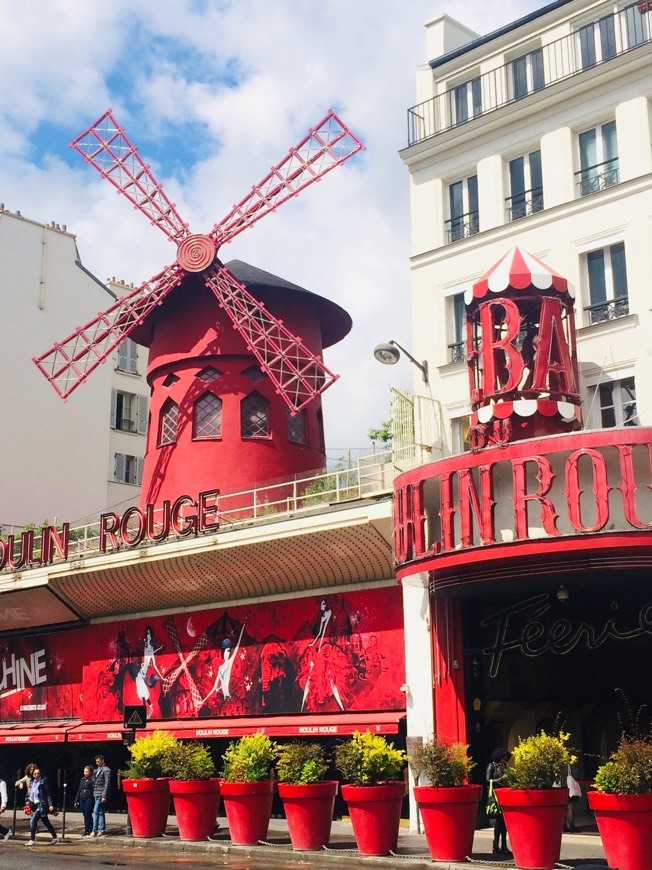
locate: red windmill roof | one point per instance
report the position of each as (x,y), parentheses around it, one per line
(518,270)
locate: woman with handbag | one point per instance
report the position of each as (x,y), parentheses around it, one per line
(40,803)
(574,794)
(496,778)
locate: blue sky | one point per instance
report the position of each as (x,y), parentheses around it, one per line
(214,92)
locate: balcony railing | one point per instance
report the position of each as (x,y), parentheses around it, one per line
(457,351)
(125,425)
(601,312)
(598,177)
(524,204)
(590,46)
(463,226)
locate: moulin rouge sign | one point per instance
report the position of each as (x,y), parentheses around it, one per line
(184,517)
(575,484)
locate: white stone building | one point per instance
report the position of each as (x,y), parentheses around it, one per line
(537,135)
(58,459)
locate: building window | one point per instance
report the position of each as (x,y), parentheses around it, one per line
(128,469)
(254,416)
(129,412)
(254,374)
(128,357)
(169,423)
(207,417)
(463,207)
(526,74)
(297,428)
(617,403)
(457,319)
(460,432)
(598,159)
(526,186)
(465,101)
(209,374)
(612,34)
(606,272)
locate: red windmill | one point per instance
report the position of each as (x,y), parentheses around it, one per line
(230,377)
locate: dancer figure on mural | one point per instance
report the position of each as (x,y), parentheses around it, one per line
(223,678)
(143,679)
(324,620)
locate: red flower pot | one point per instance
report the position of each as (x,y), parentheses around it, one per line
(449,816)
(248,807)
(375,812)
(625,825)
(535,821)
(309,813)
(148,805)
(195,803)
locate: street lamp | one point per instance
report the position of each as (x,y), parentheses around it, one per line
(389,353)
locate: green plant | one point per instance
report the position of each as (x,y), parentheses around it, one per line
(249,759)
(629,768)
(301,763)
(148,754)
(383,433)
(188,761)
(368,759)
(444,763)
(540,761)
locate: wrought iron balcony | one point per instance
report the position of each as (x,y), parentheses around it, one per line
(457,351)
(598,177)
(601,312)
(589,46)
(524,204)
(462,226)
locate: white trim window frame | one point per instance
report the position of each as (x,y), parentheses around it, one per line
(526,74)
(128,469)
(607,294)
(525,178)
(598,158)
(606,37)
(465,101)
(456,323)
(127,357)
(463,209)
(613,402)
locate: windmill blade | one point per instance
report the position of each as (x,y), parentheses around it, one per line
(106,147)
(69,362)
(297,373)
(326,146)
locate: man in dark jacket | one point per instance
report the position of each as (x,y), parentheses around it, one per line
(100,794)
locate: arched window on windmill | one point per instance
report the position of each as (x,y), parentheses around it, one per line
(254,416)
(168,424)
(207,417)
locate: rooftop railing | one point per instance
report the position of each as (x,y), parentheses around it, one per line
(369,476)
(588,47)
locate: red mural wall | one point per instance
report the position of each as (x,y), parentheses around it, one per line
(341,652)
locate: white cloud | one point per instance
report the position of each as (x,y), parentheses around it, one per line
(218,91)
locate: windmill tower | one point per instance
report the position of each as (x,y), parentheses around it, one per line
(235,354)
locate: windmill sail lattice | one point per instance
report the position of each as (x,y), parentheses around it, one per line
(297,373)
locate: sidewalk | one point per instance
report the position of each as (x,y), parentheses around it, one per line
(578,850)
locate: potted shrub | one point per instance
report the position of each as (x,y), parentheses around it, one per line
(449,805)
(196,795)
(622,804)
(247,787)
(533,806)
(374,795)
(145,783)
(308,799)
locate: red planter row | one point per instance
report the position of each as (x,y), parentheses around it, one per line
(534,818)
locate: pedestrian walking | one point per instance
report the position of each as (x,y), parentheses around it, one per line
(26,780)
(5,833)
(84,799)
(100,795)
(496,778)
(40,803)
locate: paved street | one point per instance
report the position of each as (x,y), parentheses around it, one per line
(581,850)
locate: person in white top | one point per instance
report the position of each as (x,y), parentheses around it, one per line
(5,833)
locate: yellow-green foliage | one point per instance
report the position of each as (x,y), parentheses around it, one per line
(540,761)
(148,753)
(249,759)
(369,759)
(629,769)
(444,763)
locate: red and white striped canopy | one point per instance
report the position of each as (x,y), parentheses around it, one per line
(518,270)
